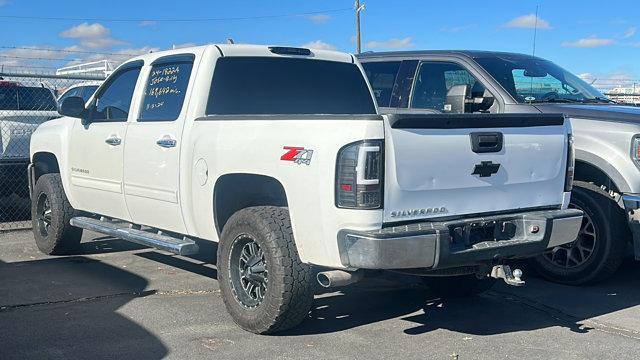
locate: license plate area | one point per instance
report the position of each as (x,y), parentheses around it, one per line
(465,235)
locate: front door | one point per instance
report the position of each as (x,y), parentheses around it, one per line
(152,154)
(97,147)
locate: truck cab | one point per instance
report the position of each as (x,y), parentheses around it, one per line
(280,156)
(605,134)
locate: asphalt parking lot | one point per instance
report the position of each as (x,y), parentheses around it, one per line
(120,300)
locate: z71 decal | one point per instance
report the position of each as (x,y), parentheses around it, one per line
(298,155)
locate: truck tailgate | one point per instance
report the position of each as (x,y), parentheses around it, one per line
(449,165)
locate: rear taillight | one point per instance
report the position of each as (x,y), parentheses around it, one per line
(571,165)
(359,175)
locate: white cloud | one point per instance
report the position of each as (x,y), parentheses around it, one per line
(319,18)
(144,23)
(590,42)
(117,56)
(319,45)
(630,32)
(92,36)
(605,82)
(404,43)
(528,22)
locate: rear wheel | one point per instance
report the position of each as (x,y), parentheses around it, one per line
(50,216)
(458,286)
(599,248)
(264,285)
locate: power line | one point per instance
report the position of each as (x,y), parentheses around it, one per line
(260,17)
(65,51)
(34,58)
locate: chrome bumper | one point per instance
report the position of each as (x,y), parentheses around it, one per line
(438,244)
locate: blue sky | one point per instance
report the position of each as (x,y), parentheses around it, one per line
(587,37)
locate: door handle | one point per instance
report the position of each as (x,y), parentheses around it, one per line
(167,142)
(113,140)
(486,142)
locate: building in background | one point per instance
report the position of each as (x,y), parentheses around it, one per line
(100,68)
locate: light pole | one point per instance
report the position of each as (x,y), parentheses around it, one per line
(358,8)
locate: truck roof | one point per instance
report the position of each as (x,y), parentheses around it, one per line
(467,53)
(248,50)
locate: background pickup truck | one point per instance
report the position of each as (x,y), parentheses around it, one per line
(280,156)
(607,138)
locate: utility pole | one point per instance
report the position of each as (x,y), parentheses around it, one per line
(358,8)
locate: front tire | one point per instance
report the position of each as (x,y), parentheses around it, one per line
(264,285)
(50,216)
(599,249)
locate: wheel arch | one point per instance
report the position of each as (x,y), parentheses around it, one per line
(588,172)
(236,191)
(44,162)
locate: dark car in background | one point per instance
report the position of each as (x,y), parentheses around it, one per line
(22,109)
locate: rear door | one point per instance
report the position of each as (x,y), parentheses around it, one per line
(96,149)
(450,165)
(152,154)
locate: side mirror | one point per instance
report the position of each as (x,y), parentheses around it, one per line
(456,99)
(73,106)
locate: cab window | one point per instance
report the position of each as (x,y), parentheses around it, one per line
(448,87)
(166,88)
(382,77)
(114,100)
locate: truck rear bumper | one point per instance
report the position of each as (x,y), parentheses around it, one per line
(462,242)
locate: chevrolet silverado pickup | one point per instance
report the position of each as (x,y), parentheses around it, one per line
(607,138)
(279,155)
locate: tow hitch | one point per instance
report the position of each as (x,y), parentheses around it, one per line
(510,277)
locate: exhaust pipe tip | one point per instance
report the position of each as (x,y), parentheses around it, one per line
(324,280)
(335,278)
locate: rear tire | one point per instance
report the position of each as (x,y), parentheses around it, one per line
(599,249)
(458,286)
(264,285)
(50,216)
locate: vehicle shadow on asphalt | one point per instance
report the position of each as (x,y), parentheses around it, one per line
(503,309)
(67,308)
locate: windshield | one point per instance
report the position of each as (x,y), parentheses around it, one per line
(533,80)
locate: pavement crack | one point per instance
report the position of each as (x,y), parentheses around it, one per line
(132,294)
(5,308)
(575,323)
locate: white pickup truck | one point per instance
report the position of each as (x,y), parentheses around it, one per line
(279,155)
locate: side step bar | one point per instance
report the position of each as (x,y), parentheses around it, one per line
(126,231)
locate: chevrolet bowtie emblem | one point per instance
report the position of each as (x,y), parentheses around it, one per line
(485,169)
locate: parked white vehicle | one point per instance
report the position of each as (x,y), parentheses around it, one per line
(279,155)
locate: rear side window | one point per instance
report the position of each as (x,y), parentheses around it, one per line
(382,76)
(165,90)
(267,85)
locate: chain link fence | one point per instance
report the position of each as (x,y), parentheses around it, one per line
(28,99)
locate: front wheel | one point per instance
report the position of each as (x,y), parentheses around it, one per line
(50,216)
(598,251)
(264,285)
